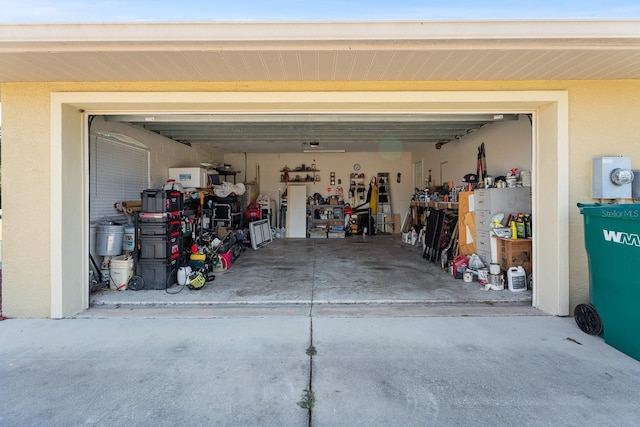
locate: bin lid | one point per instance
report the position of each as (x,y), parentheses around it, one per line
(622,211)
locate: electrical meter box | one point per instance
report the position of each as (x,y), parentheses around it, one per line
(635,185)
(612,177)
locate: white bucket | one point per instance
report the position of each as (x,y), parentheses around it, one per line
(120,271)
(517,279)
(128,238)
(109,240)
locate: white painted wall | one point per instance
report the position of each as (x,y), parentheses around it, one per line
(270,166)
(507,145)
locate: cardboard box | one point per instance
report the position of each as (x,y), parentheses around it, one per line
(397,227)
(513,253)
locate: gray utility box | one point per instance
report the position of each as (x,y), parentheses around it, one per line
(602,185)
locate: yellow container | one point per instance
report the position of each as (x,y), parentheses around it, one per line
(198,257)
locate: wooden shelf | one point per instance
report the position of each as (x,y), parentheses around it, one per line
(436,205)
(305,176)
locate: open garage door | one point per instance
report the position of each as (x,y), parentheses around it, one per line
(259,146)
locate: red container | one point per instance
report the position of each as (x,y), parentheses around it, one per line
(460,263)
(254,211)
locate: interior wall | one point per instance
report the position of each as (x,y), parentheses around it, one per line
(271,165)
(507,145)
(164,152)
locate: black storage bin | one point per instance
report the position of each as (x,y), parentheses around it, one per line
(158,274)
(161,201)
(160,247)
(165,228)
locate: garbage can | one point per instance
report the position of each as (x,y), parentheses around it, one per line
(612,242)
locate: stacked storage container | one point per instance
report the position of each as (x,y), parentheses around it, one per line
(160,238)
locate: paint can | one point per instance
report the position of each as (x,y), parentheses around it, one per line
(496,279)
(467,276)
(494,268)
(483,275)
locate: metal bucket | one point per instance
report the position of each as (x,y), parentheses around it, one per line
(109,240)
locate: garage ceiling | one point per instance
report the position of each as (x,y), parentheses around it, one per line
(295,133)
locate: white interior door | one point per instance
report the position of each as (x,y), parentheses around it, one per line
(296,211)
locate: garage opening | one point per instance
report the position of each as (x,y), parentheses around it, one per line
(69,167)
(358,208)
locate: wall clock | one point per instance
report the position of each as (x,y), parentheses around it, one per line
(356,167)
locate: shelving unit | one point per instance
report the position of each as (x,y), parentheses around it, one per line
(299,175)
(326,220)
(491,201)
(229,173)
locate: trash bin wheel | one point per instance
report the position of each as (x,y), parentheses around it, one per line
(588,319)
(136,283)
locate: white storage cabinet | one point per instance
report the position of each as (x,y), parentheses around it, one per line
(489,202)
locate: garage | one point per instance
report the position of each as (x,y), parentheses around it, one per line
(389,105)
(334,160)
(577,91)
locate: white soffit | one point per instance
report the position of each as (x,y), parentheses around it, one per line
(321,51)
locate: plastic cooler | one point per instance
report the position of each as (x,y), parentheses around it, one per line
(612,242)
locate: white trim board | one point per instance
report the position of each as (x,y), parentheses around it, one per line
(550,158)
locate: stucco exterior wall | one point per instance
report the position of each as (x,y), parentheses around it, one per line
(26,203)
(603,120)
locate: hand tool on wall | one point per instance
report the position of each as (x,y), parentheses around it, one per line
(484,161)
(481,167)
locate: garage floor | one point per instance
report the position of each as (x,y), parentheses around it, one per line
(352,272)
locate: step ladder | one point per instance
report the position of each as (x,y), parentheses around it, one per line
(384,217)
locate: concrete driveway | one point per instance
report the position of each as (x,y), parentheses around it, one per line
(252,368)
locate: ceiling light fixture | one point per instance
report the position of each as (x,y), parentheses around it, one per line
(325,151)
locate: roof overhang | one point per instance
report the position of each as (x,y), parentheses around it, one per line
(321,51)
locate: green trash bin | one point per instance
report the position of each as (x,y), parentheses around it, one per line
(612,242)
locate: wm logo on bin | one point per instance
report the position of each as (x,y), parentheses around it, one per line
(621,237)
